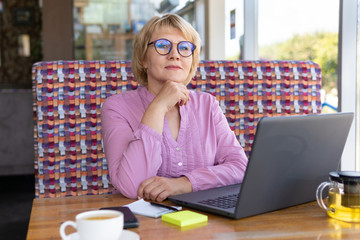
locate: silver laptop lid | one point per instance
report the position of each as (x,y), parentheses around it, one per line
(290,157)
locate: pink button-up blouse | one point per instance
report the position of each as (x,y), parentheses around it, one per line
(206,150)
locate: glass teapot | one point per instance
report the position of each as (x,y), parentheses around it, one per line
(343,196)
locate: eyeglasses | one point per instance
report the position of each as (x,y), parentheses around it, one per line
(164,46)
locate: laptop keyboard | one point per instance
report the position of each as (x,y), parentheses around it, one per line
(224,202)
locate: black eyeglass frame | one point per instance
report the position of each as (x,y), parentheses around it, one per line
(171,46)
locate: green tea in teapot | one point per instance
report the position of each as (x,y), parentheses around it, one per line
(338,211)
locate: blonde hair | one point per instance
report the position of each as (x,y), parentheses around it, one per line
(143,38)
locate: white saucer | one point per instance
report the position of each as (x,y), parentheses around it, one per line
(126,235)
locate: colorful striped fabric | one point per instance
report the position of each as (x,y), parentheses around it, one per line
(68,95)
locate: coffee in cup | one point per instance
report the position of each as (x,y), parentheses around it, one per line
(95,225)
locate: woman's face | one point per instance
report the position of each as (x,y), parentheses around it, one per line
(170,67)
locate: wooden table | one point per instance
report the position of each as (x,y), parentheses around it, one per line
(307,221)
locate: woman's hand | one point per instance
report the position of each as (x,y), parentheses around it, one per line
(159,188)
(170,94)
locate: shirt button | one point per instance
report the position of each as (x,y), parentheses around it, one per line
(177,149)
(179,164)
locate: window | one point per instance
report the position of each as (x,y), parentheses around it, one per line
(105,29)
(303,30)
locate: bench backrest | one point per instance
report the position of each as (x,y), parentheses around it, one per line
(68,95)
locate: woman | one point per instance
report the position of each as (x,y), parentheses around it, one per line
(162,139)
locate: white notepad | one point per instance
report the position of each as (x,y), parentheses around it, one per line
(144,208)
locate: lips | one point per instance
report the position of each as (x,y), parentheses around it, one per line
(173,67)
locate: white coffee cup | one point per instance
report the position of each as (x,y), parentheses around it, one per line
(95,225)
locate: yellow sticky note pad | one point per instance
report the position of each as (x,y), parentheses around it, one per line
(184,218)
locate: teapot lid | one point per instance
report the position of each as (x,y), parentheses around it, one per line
(349,175)
(334,176)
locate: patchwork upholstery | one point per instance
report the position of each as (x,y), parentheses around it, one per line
(68,95)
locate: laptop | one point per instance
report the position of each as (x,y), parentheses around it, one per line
(290,157)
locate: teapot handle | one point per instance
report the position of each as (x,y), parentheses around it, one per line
(319,194)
